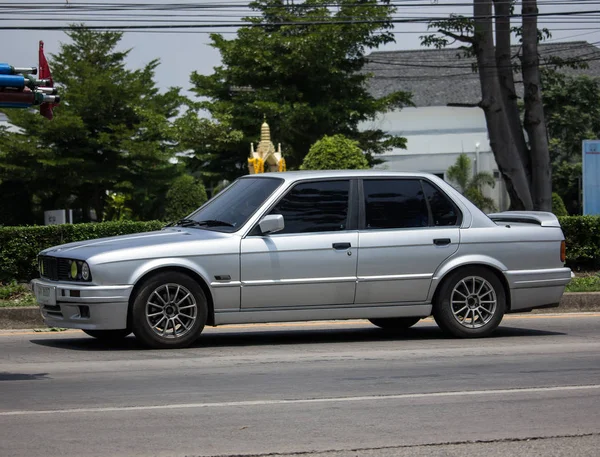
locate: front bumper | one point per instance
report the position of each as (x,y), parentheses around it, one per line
(81,306)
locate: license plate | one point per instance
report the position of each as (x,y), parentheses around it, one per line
(45,295)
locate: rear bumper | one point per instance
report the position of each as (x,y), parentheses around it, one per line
(83,307)
(532,289)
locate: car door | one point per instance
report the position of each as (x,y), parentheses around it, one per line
(312,261)
(408,227)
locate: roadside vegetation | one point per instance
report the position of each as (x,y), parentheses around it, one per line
(14,294)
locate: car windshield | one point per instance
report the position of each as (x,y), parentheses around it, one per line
(230,209)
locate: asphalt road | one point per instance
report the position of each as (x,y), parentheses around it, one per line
(335,389)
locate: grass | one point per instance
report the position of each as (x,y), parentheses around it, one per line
(14,294)
(585,282)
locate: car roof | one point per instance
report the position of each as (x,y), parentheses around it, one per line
(310,174)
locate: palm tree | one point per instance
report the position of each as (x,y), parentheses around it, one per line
(471,187)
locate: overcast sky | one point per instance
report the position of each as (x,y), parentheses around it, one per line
(182,53)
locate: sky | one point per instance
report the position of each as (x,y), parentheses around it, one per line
(183,52)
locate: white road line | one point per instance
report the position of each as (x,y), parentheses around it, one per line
(303,401)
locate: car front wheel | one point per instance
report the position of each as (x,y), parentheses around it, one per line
(169,311)
(471,303)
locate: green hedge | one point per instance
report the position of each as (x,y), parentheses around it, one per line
(19,246)
(582,234)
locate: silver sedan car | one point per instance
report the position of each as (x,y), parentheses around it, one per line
(389,247)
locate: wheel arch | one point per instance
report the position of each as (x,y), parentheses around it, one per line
(210,318)
(493,267)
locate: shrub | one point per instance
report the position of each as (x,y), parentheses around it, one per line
(558,206)
(185,196)
(582,234)
(335,153)
(21,245)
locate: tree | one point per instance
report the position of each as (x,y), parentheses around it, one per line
(524,166)
(111,133)
(293,64)
(472,187)
(572,107)
(335,153)
(185,195)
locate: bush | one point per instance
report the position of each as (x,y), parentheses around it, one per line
(335,153)
(582,234)
(21,245)
(185,196)
(558,206)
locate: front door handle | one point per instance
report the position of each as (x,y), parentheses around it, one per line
(341,246)
(442,241)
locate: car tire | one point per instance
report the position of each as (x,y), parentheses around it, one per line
(395,323)
(169,311)
(109,335)
(470,304)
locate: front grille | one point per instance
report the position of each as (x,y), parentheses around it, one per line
(54,268)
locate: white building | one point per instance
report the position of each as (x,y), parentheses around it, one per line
(446,121)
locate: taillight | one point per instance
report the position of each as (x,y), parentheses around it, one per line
(563,251)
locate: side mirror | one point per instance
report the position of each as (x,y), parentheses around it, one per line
(271,224)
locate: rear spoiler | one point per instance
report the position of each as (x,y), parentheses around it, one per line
(542,218)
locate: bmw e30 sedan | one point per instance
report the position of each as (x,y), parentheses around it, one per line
(385,246)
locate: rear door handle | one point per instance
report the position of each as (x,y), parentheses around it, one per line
(442,241)
(341,246)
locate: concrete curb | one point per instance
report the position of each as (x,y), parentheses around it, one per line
(28,317)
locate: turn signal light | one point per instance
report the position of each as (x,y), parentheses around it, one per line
(563,251)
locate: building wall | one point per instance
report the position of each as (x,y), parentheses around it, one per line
(436,136)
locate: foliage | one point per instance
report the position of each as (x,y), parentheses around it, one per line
(335,153)
(572,107)
(582,235)
(111,132)
(589,283)
(185,195)
(14,294)
(558,206)
(21,245)
(303,75)
(472,186)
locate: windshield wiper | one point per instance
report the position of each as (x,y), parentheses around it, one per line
(215,223)
(206,223)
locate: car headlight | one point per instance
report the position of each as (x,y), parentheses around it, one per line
(79,270)
(85,271)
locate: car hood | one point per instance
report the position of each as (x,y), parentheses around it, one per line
(170,238)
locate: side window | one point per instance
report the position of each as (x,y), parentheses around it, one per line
(444,212)
(395,203)
(319,206)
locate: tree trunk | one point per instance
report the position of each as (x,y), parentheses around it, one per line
(535,124)
(507,82)
(501,139)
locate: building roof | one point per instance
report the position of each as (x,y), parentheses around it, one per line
(438,77)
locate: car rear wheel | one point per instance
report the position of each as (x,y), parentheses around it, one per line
(169,311)
(395,323)
(471,303)
(109,335)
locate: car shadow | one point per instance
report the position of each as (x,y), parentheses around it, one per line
(5,376)
(232,337)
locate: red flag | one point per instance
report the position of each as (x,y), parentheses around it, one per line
(44,73)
